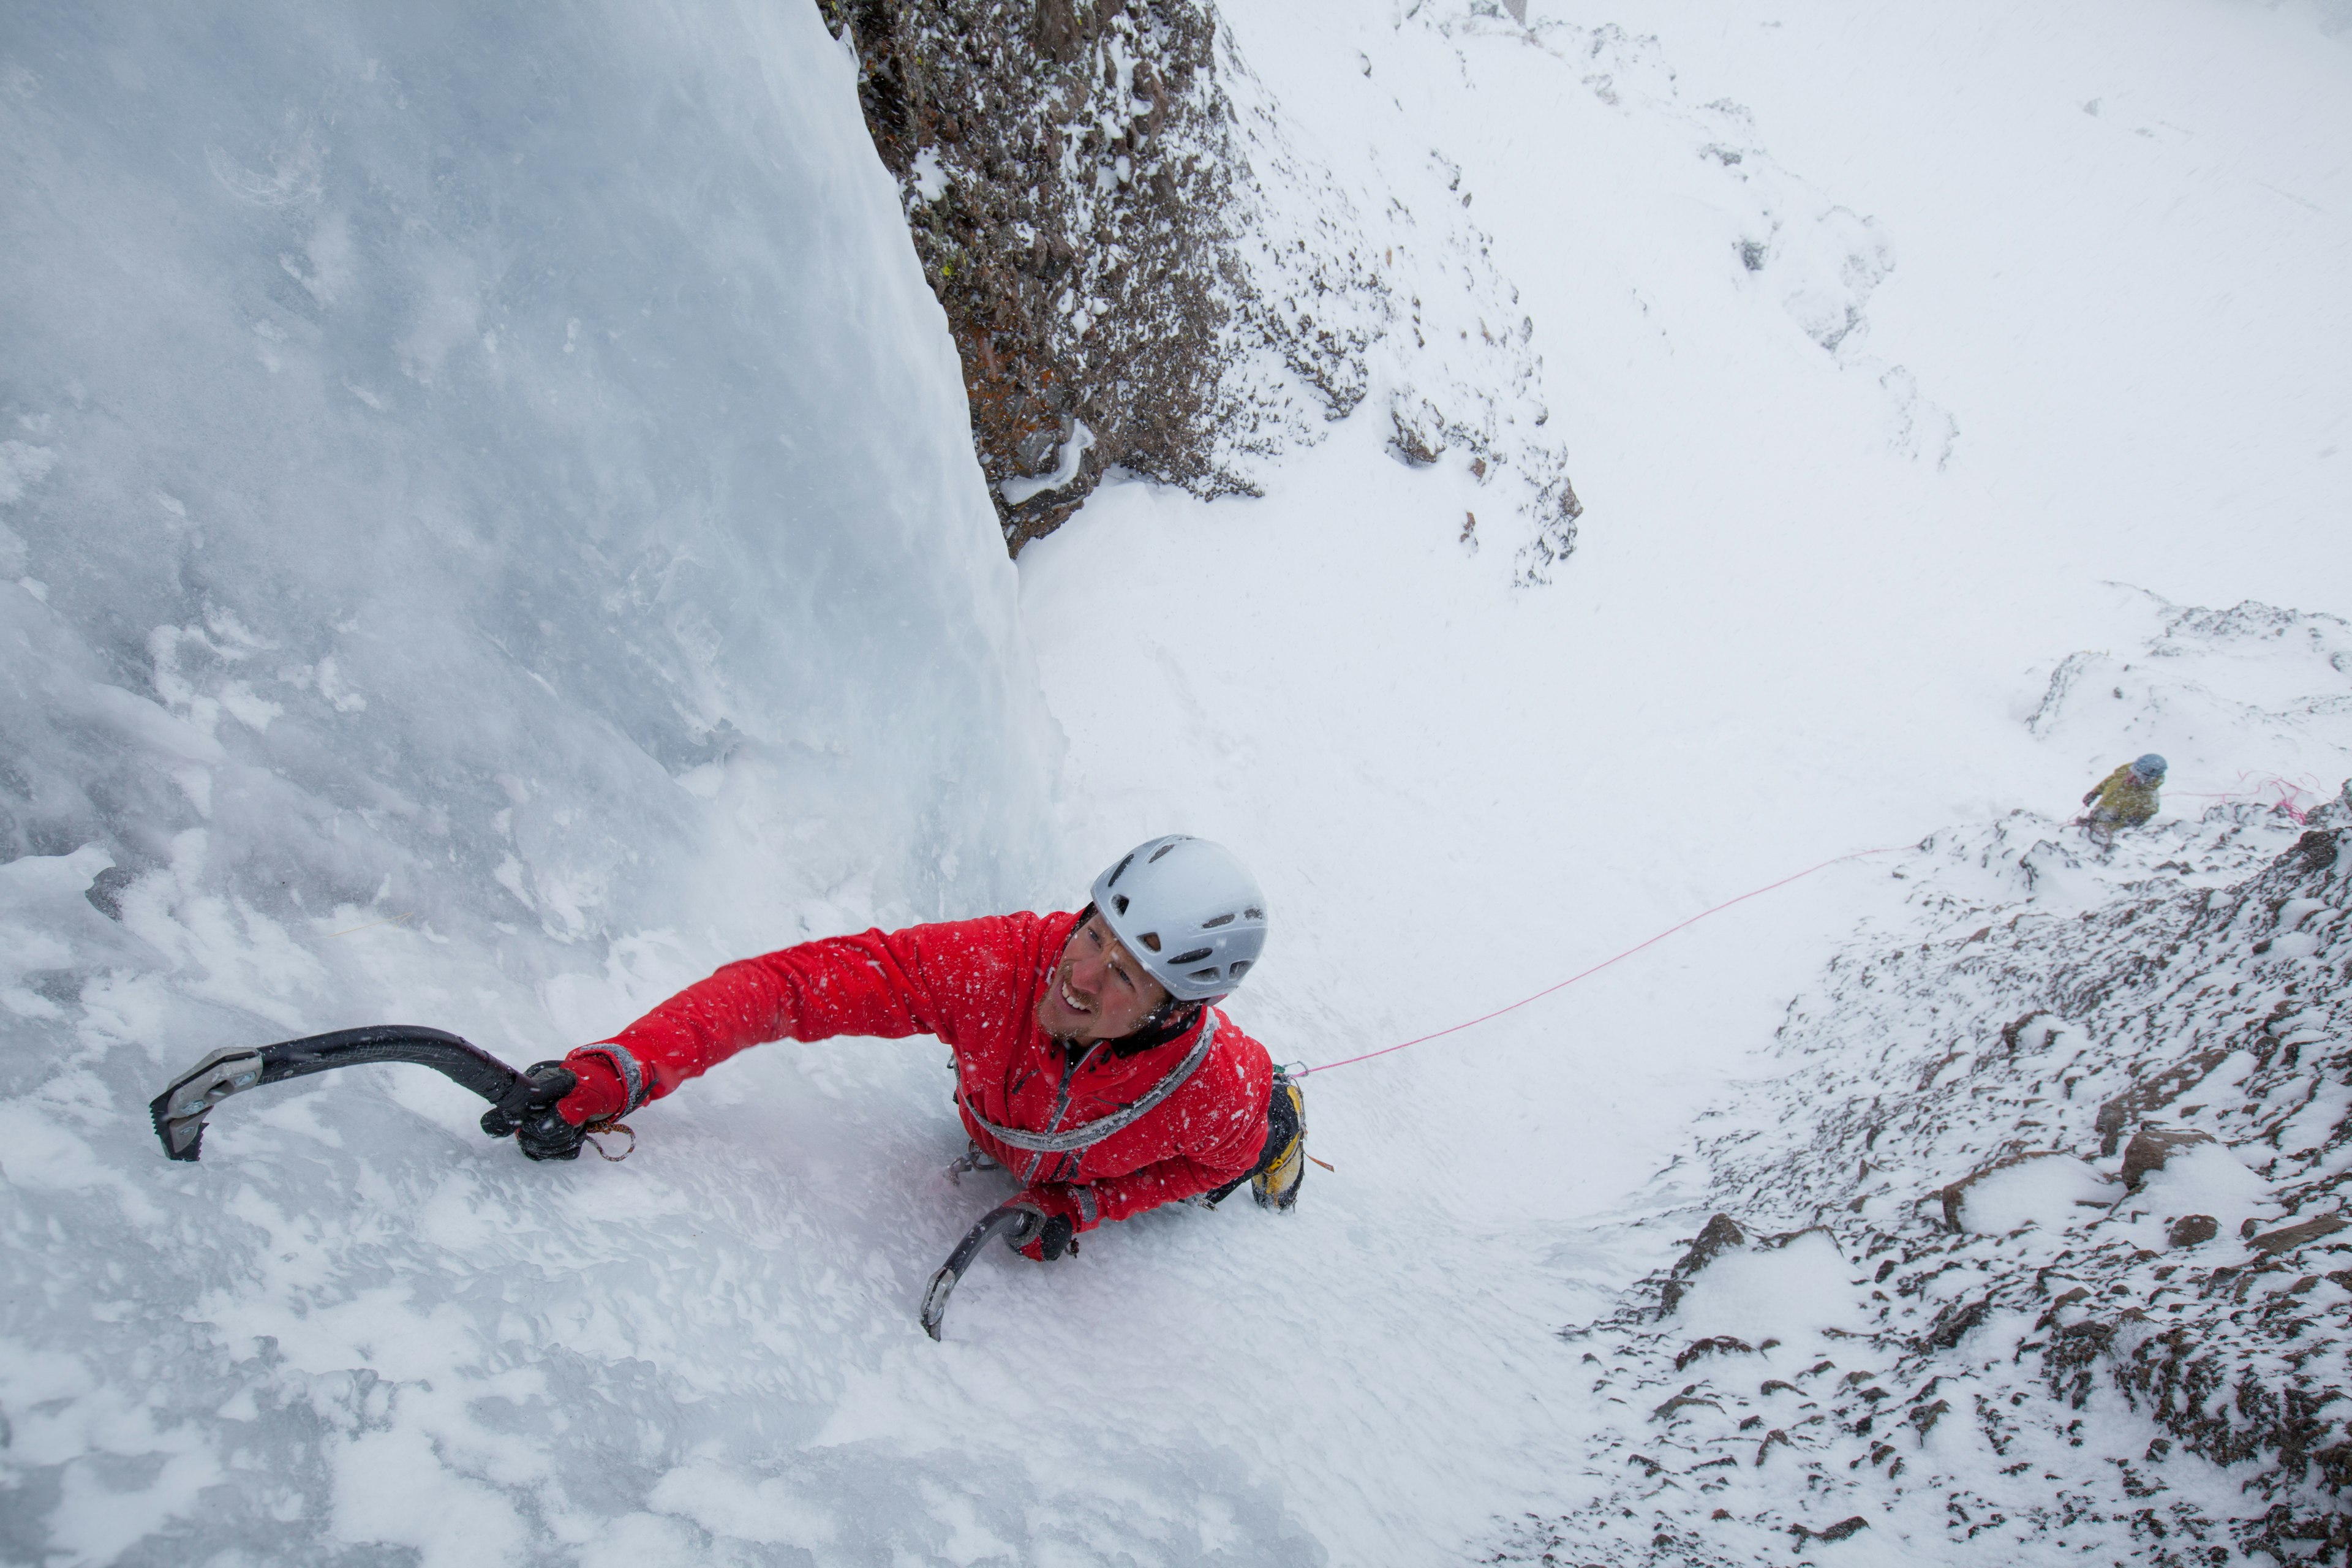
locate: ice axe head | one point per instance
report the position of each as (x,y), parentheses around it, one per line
(179,1111)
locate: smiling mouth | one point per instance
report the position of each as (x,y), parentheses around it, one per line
(1069,999)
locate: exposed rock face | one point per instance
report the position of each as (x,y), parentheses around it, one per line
(1067,167)
(1141,272)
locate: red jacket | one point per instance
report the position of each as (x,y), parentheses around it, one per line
(975,985)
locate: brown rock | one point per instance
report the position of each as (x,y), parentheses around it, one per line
(2292,1237)
(1057,31)
(1687,1398)
(2192,1230)
(1721,1235)
(2150,1147)
(2153,1094)
(1719,1345)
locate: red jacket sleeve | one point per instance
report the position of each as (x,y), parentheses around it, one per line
(884,983)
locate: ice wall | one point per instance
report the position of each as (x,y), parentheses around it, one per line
(579,368)
(488,528)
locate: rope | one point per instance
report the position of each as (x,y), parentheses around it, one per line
(1652,941)
(2287,793)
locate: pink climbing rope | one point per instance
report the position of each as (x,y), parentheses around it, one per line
(1652,941)
(2287,790)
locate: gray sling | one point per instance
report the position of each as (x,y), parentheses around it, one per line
(1094,1132)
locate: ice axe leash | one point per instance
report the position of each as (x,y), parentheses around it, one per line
(516,1097)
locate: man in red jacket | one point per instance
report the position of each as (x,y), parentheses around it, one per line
(1091,1060)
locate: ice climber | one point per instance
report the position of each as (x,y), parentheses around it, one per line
(1091,1060)
(2126,797)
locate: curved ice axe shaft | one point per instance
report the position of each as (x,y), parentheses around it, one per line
(180,1110)
(1008,1217)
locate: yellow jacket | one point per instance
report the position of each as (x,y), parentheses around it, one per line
(2123,797)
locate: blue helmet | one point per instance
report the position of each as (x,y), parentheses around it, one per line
(2149,767)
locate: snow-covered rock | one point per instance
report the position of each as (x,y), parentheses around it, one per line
(2073,1178)
(1136,236)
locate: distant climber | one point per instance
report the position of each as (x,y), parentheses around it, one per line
(1090,1058)
(2125,798)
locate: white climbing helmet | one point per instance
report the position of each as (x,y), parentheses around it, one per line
(1188,910)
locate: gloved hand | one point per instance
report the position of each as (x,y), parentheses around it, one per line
(600,1092)
(2092,797)
(532,1115)
(1052,1229)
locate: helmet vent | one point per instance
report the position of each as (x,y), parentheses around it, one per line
(1185,909)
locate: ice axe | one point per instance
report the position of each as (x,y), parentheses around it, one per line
(180,1110)
(1005,1217)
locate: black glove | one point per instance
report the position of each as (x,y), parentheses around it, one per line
(2092,797)
(1042,1238)
(528,1114)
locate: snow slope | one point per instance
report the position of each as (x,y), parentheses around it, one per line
(1866,419)
(1794,628)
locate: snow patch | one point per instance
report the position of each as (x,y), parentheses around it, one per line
(1068,456)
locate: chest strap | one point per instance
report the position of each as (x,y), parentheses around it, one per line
(1095,1132)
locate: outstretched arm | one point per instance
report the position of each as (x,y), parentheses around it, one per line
(877,984)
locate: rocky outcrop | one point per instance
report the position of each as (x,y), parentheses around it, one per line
(1067,167)
(1141,272)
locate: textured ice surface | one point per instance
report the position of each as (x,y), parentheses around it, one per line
(499,535)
